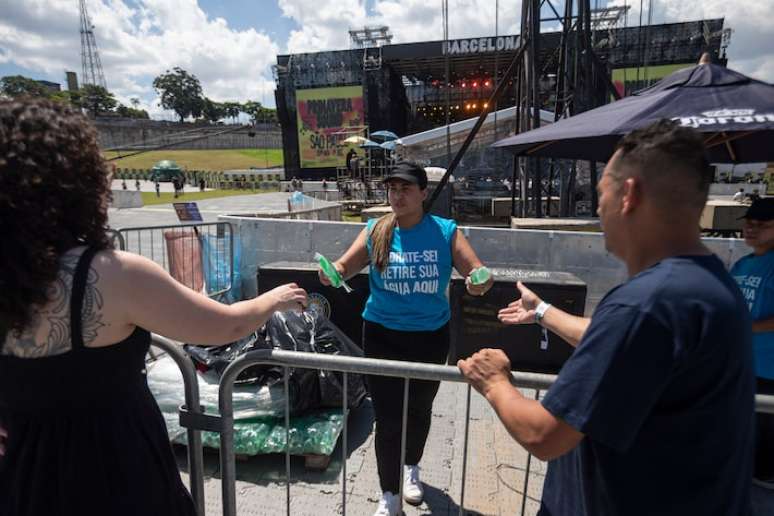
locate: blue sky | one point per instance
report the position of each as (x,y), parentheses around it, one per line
(244,14)
(230,45)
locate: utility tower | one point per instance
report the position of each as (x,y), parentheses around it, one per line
(91,66)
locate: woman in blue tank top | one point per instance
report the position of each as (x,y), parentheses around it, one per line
(411,255)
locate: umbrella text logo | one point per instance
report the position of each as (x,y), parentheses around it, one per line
(725,116)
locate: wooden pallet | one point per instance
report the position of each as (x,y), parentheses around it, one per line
(312,462)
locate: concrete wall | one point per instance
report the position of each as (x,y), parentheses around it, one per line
(583,254)
(732,188)
(138,134)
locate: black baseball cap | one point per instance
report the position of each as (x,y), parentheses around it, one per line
(408,171)
(761,209)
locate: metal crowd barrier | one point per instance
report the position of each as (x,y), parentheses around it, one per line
(193,418)
(189,418)
(199,255)
(343,364)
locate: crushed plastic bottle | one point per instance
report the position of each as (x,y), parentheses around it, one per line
(330,271)
(480,275)
(316,432)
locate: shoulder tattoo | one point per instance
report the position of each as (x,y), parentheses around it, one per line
(49,330)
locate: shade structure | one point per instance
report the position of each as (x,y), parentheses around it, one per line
(355,139)
(389,145)
(369,144)
(735,113)
(384,135)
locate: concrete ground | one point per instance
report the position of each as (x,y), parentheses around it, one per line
(496,465)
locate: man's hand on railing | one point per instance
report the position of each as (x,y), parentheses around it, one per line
(486,370)
(521,311)
(3,437)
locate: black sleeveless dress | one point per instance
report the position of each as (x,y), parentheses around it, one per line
(85,434)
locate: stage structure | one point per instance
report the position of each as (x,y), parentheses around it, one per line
(324,97)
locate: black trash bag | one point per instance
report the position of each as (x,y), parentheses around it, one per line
(307,331)
(311,331)
(218,358)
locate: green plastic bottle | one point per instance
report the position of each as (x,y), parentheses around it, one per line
(330,271)
(480,275)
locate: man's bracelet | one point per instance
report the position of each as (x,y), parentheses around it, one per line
(540,311)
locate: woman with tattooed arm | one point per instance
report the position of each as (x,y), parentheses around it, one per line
(80,432)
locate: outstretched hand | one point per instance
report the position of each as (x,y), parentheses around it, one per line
(521,311)
(288,297)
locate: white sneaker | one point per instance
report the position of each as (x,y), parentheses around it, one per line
(413,492)
(389,505)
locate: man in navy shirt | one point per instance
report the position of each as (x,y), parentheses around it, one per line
(653,413)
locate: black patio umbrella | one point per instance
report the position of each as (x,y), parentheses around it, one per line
(735,112)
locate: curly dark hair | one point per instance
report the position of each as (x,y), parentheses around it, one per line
(54,193)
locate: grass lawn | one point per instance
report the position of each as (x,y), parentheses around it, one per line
(149,198)
(350,216)
(213,159)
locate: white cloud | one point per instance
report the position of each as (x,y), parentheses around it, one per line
(138,39)
(752,41)
(324,24)
(138,42)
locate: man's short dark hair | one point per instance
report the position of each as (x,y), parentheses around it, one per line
(672,162)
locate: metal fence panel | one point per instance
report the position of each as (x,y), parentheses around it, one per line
(198,255)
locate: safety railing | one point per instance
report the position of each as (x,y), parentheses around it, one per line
(194,419)
(199,255)
(345,365)
(190,418)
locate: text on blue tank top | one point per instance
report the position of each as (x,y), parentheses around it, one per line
(410,294)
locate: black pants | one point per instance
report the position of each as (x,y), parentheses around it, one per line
(387,395)
(764,435)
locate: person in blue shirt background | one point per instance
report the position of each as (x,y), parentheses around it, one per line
(653,413)
(755,276)
(406,317)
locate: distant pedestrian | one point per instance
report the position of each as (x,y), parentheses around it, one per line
(123,184)
(137,184)
(739,196)
(158,189)
(201,184)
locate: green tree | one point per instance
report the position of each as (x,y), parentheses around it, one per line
(67,97)
(259,113)
(232,110)
(96,99)
(128,112)
(18,85)
(213,111)
(181,92)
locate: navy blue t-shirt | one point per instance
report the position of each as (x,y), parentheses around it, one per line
(662,386)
